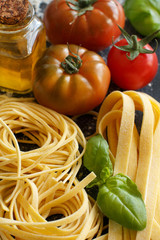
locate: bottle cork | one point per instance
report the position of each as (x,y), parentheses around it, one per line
(13,11)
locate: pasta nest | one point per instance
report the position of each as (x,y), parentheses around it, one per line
(39,181)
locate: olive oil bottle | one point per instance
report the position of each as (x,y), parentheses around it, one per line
(21,45)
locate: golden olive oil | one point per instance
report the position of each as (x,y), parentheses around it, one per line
(21,45)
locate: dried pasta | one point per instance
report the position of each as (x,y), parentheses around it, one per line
(136,152)
(41,182)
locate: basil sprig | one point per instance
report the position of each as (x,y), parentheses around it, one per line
(118,197)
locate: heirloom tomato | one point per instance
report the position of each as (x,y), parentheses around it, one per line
(89,23)
(133,62)
(70,79)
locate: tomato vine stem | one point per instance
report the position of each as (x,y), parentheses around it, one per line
(72,63)
(81,6)
(135,47)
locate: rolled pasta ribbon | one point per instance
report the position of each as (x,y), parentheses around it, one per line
(136,151)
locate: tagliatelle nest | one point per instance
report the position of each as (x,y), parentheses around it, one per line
(39,183)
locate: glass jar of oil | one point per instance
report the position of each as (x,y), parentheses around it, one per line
(21,45)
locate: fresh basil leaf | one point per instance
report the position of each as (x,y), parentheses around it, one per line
(96,157)
(119,199)
(144,15)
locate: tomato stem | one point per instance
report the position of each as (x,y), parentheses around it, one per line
(81,6)
(134,41)
(135,47)
(85,3)
(71,63)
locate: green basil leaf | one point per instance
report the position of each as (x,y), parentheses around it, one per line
(96,157)
(119,199)
(144,15)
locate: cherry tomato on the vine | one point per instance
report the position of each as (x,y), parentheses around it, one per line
(132,74)
(89,23)
(70,80)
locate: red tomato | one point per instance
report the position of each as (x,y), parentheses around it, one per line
(93,29)
(74,92)
(131,74)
